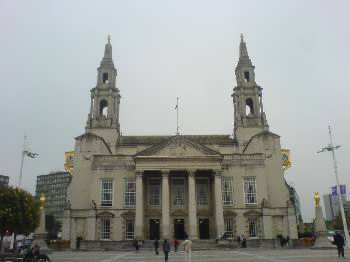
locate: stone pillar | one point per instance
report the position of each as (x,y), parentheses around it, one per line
(165,206)
(219,211)
(267,225)
(139,207)
(91,225)
(192,206)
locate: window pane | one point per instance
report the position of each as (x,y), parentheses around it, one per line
(106,192)
(130,193)
(105,229)
(250,190)
(227,191)
(202,192)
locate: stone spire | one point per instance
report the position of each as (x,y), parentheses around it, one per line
(103,119)
(249,117)
(107,59)
(244,59)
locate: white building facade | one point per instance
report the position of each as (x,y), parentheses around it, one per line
(203,186)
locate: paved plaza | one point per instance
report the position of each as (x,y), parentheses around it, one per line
(256,255)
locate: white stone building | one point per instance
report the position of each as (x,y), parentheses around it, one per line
(146,187)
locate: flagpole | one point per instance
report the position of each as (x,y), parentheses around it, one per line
(22,160)
(177,116)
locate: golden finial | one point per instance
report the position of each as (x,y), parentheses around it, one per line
(42,200)
(317,199)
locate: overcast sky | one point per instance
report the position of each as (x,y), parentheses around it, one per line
(49,52)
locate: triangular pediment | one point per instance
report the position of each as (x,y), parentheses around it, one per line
(178,146)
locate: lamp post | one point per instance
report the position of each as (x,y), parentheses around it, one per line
(332,149)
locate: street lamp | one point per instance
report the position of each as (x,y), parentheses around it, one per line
(332,149)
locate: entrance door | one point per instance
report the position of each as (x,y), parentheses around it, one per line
(154,229)
(179,228)
(204,228)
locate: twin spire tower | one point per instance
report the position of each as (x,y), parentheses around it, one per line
(249,116)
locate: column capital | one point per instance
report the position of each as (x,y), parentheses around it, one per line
(191,172)
(139,174)
(165,173)
(218,173)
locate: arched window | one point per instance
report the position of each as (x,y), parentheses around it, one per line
(249,106)
(246,76)
(103,108)
(105,78)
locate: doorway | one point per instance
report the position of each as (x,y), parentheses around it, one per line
(154,229)
(179,228)
(204,228)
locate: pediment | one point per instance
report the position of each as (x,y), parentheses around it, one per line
(178,146)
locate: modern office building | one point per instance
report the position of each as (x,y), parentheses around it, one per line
(54,186)
(4,180)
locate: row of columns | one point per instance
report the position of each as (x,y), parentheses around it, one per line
(192,206)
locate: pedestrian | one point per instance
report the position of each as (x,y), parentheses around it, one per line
(156,246)
(339,242)
(166,249)
(238,240)
(244,241)
(136,245)
(176,244)
(188,249)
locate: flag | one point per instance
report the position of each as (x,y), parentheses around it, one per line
(30,154)
(176,106)
(342,190)
(334,191)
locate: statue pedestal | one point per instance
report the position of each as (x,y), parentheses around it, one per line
(40,234)
(322,241)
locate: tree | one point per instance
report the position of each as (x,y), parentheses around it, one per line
(19,211)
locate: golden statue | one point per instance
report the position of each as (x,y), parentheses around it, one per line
(317,199)
(42,200)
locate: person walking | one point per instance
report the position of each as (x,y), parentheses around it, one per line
(188,249)
(166,249)
(176,244)
(156,246)
(339,242)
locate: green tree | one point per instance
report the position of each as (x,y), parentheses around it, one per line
(19,211)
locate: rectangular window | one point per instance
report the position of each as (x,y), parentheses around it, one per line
(202,192)
(228,225)
(154,193)
(130,193)
(105,229)
(227,191)
(129,229)
(250,190)
(106,192)
(178,193)
(252,227)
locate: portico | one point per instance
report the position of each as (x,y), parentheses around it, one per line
(183,201)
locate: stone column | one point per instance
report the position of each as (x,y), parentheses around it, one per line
(192,206)
(219,211)
(139,207)
(91,225)
(165,206)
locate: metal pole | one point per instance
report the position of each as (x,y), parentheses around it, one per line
(335,165)
(22,161)
(177,116)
